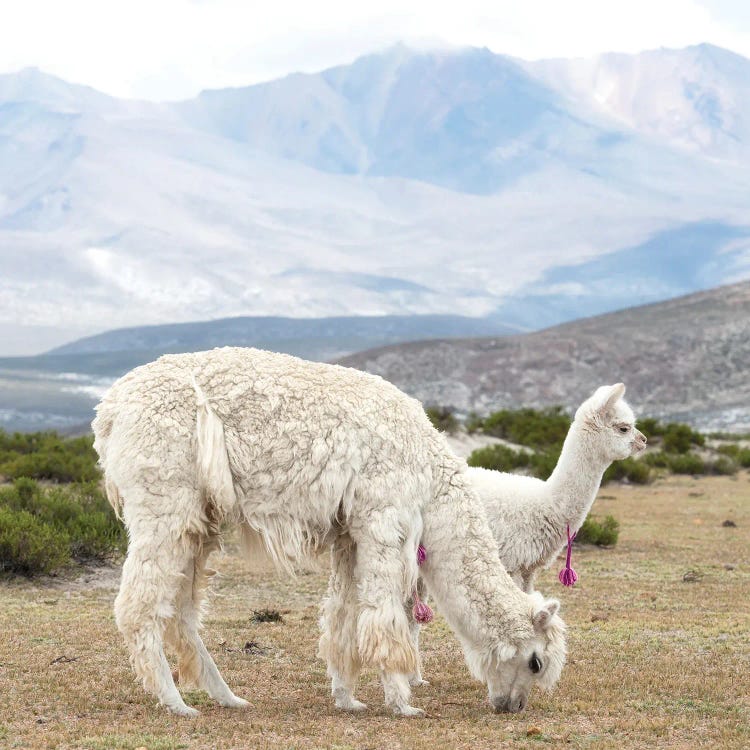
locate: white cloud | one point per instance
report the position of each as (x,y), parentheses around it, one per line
(173,48)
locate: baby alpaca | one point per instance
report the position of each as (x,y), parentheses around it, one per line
(305,456)
(529,517)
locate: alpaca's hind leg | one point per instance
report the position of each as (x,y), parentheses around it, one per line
(195,665)
(151,580)
(383,580)
(397,692)
(338,622)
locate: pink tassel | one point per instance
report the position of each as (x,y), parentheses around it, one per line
(568,576)
(422,613)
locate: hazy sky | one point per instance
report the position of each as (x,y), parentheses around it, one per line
(171,49)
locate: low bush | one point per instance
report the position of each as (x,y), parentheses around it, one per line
(501,458)
(70,522)
(602,533)
(677,463)
(442,419)
(740,456)
(675,437)
(722,465)
(536,428)
(28,545)
(46,455)
(637,472)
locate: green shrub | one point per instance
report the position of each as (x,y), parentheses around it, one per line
(499,458)
(543,463)
(657,459)
(740,456)
(603,534)
(722,465)
(78,513)
(28,545)
(543,428)
(680,438)
(442,419)
(637,472)
(473,423)
(45,455)
(650,427)
(686,463)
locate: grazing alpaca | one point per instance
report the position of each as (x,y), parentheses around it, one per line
(303,456)
(529,517)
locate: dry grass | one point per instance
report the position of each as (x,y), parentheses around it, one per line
(654,661)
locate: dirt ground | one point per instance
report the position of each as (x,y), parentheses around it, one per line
(659,641)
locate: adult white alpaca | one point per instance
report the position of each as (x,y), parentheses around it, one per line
(303,456)
(529,517)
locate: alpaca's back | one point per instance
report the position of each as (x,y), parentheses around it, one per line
(301,437)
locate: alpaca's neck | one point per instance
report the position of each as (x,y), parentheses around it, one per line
(463,571)
(572,486)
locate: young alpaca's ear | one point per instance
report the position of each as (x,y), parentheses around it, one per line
(542,617)
(616,392)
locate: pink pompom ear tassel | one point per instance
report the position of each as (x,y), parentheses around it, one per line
(422,613)
(421,554)
(568,576)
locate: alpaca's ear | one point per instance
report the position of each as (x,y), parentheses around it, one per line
(543,616)
(616,392)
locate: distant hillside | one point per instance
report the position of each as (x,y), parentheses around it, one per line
(316,338)
(59,389)
(687,358)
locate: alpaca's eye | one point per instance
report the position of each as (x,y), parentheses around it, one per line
(624,428)
(534,664)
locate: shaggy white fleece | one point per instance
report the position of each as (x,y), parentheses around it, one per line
(306,455)
(528,516)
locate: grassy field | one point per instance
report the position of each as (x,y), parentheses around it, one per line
(659,652)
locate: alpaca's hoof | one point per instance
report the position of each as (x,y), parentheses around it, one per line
(352,705)
(234,702)
(184,710)
(418,682)
(408,711)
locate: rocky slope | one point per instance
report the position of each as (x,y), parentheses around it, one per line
(687,359)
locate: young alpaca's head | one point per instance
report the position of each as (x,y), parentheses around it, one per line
(510,673)
(607,416)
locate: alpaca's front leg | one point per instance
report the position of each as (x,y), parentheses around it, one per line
(383,637)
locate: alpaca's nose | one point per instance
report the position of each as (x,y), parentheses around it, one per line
(508,705)
(500,704)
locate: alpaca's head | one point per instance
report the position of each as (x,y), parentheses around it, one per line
(611,420)
(511,673)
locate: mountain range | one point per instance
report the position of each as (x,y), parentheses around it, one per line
(685,359)
(453,182)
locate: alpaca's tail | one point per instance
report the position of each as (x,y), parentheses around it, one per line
(102,427)
(214,474)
